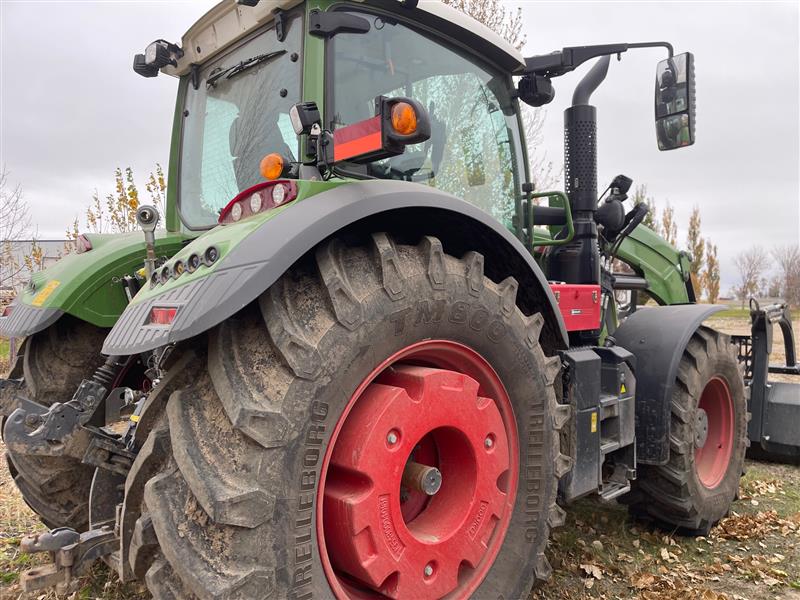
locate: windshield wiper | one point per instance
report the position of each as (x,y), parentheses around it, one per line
(234,70)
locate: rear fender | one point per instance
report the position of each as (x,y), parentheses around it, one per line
(250,264)
(84,285)
(657,337)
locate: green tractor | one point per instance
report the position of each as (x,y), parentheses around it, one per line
(366,358)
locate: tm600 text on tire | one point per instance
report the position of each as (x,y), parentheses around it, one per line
(279,469)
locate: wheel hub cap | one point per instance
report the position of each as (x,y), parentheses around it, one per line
(714,433)
(419,486)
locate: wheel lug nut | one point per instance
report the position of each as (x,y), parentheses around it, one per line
(392,438)
(428,570)
(488,442)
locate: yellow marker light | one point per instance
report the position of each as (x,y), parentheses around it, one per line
(404,118)
(272,166)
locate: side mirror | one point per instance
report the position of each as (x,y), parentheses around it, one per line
(675,102)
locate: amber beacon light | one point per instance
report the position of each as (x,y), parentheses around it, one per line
(272,166)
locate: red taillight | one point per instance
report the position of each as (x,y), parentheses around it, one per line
(82,244)
(246,205)
(162,315)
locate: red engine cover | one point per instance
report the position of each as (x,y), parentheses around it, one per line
(579,305)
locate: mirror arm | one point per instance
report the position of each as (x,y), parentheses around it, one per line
(568,59)
(666,45)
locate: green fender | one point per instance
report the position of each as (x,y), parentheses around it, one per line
(87,285)
(665,268)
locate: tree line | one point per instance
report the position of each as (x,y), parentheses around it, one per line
(21,251)
(774,273)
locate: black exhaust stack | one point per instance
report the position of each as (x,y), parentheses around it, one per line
(579,261)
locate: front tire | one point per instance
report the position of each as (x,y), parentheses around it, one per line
(708,439)
(255,465)
(53,364)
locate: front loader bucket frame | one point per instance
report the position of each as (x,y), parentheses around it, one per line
(774,429)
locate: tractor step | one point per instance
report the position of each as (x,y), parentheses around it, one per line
(613,491)
(71,553)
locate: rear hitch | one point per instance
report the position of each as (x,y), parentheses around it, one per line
(68,429)
(72,555)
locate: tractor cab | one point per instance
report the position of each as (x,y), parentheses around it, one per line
(239,84)
(242,69)
(296,91)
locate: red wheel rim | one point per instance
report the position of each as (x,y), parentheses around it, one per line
(714,433)
(444,403)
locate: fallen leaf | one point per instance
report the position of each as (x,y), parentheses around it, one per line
(592,570)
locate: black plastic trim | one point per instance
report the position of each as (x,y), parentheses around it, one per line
(262,257)
(25,320)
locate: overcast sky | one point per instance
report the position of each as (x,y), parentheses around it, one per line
(71,108)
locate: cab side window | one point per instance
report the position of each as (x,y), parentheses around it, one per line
(470,153)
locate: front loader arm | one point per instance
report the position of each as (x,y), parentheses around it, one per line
(665,268)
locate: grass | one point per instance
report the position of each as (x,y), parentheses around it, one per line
(744,313)
(4,351)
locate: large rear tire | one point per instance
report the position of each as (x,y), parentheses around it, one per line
(54,363)
(708,439)
(248,464)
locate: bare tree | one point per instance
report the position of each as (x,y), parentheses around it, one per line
(494,14)
(773,286)
(15,224)
(711,276)
(544,173)
(751,264)
(507,23)
(788,259)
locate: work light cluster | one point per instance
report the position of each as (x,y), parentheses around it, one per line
(179,267)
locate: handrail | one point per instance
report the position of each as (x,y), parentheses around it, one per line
(567,214)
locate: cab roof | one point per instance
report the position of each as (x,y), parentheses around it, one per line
(229,21)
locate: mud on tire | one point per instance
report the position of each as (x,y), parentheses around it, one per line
(230,511)
(674,494)
(53,363)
